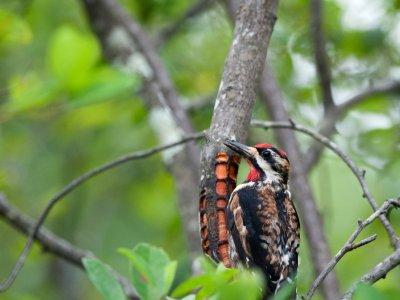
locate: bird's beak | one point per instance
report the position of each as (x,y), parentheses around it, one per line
(245,151)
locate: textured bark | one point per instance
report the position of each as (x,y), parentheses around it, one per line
(121,38)
(234,106)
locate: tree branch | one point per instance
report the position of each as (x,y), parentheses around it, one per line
(198,7)
(55,245)
(321,57)
(231,117)
(271,96)
(73,185)
(327,127)
(349,245)
(395,241)
(388,87)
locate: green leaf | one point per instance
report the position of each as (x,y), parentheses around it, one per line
(170,270)
(13,29)
(152,271)
(103,280)
(284,293)
(104,84)
(209,283)
(207,265)
(72,54)
(191,284)
(247,285)
(189,297)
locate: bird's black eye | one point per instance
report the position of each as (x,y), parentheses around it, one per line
(266,154)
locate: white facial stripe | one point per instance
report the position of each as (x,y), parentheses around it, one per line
(265,166)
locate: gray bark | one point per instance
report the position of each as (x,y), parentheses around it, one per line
(235,98)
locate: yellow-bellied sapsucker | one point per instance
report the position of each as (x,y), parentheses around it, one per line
(263,226)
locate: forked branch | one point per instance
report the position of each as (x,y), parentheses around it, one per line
(72,186)
(350,245)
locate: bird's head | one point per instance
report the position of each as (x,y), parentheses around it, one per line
(264,160)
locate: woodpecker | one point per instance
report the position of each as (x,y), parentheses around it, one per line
(263,226)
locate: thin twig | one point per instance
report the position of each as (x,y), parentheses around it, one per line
(54,244)
(198,7)
(363,242)
(395,241)
(378,272)
(388,87)
(327,127)
(73,185)
(350,245)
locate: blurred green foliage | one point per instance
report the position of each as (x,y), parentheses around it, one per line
(65,110)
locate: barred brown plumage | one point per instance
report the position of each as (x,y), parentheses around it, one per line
(263,226)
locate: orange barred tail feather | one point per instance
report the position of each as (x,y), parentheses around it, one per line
(213,200)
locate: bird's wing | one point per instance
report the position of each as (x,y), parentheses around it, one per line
(239,230)
(293,235)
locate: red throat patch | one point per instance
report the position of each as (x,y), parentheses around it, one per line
(254,174)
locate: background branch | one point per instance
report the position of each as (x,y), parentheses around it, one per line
(54,244)
(108,19)
(321,57)
(196,8)
(72,186)
(327,127)
(349,245)
(385,88)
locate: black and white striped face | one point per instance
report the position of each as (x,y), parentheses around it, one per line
(265,160)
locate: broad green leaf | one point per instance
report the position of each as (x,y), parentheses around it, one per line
(247,285)
(189,297)
(104,84)
(284,293)
(208,283)
(103,280)
(207,265)
(152,271)
(220,278)
(72,54)
(191,284)
(170,270)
